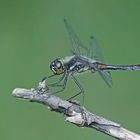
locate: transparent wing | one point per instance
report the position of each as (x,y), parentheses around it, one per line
(95,50)
(96,53)
(77,47)
(106,76)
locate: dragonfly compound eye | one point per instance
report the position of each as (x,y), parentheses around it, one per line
(57,67)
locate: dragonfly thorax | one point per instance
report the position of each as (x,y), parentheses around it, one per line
(57,67)
(76,64)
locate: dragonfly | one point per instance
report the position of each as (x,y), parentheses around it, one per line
(83,59)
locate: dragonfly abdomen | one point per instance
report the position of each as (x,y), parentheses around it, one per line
(117,67)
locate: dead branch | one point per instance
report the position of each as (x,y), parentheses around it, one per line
(74,113)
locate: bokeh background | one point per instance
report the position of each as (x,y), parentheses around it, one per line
(32,34)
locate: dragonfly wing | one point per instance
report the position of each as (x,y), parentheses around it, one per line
(106,76)
(95,51)
(77,47)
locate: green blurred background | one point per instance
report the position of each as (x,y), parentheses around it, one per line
(32,34)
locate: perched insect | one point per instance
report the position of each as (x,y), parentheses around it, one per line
(83,59)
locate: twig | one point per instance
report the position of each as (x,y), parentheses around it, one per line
(74,113)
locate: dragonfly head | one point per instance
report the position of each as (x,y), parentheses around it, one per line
(57,67)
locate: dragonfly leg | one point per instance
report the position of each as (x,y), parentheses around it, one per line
(63,86)
(56,84)
(43,79)
(81,90)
